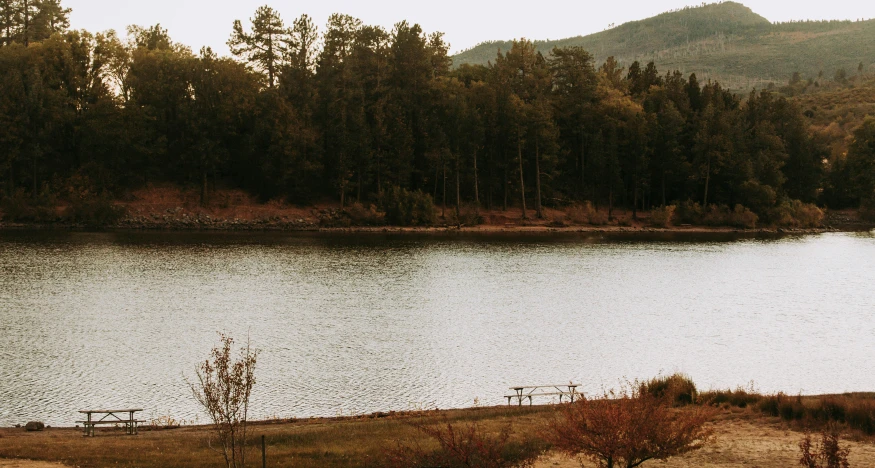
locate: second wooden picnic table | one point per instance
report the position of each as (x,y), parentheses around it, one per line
(562,390)
(111,416)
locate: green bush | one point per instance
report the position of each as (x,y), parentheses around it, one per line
(743,218)
(794,213)
(95,211)
(662,216)
(22,208)
(689,212)
(760,198)
(406,208)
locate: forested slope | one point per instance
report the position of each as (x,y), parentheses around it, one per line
(378,120)
(726,42)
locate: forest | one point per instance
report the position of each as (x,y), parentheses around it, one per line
(356,114)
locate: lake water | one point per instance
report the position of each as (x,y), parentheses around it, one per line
(359,323)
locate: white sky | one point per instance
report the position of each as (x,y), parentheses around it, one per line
(466,23)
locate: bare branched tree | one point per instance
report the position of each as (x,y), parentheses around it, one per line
(223,388)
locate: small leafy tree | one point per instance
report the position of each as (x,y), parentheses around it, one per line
(827,454)
(223,388)
(628,428)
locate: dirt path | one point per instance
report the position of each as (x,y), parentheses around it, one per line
(741,444)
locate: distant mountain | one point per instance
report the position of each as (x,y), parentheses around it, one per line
(724,41)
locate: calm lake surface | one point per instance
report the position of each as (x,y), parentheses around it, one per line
(359,323)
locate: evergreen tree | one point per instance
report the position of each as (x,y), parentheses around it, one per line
(266,47)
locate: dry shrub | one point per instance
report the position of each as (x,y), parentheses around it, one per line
(361,216)
(867,210)
(585,213)
(677,389)
(742,217)
(827,453)
(689,212)
(855,412)
(464,445)
(469,215)
(628,428)
(740,397)
(662,216)
(794,213)
(222,389)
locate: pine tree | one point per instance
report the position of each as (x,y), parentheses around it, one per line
(266,47)
(9,21)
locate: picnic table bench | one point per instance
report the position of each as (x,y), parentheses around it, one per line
(118,416)
(562,390)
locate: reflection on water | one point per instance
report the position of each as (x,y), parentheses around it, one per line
(361,323)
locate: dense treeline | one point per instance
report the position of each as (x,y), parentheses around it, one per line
(348,113)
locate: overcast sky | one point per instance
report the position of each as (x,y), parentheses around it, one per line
(466,22)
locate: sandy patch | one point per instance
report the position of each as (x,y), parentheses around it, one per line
(740,444)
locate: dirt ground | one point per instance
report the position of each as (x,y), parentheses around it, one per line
(27,464)
(742,439)
(740,443)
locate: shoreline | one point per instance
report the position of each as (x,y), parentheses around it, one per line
(744,435)
(169,209)
(485,229)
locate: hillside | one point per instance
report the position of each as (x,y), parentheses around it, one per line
(835,110)
(725,41)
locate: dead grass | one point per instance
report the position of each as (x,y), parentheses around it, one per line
(348,442)
(745,437)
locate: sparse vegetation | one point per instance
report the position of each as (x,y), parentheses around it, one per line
(662,216)
(222,389)
(628,428)
(464,445)
(827,453)
(677,389)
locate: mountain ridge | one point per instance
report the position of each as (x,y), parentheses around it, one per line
(726,42)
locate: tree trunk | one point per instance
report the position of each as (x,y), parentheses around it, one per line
(26,31)
(204,188)
(635,200)
(458,191)
(663,188)
(506,185)
(34,174)
(582,168)
(444,203)
(611,201)
(379,174)
(519,147)
(540,213)
(707,181)
(342,194)
(476,187)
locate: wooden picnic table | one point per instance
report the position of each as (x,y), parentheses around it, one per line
(111,416)
(528,391)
